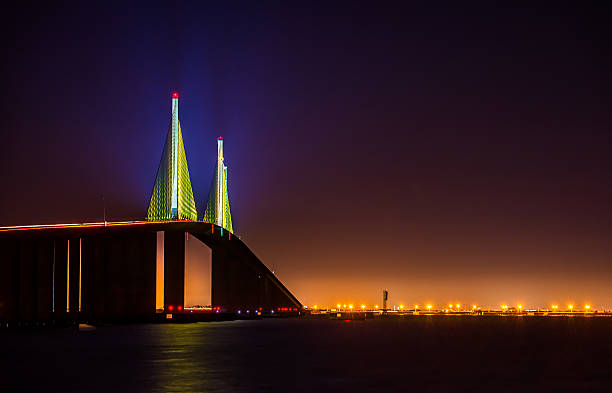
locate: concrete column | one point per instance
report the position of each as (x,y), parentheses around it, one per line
(44,288)
(75,256)
(27,280)
(236,285)
(220,279)
(59,276)
(93,287)
(9,280)
(174,269)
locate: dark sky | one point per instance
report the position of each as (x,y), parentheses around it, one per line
(447,154)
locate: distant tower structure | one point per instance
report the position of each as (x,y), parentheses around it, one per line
(385,298)
(218,208)
(172,197)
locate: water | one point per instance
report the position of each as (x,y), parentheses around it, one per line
(422,354)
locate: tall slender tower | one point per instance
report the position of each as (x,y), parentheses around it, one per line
(172,197)
(218,207)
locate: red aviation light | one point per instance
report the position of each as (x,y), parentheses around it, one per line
(175,95)
(220,138)
(180,308)
(170,308)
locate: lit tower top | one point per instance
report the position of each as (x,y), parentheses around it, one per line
(172,197)
(218,207)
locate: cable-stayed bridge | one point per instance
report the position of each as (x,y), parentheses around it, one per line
(117,271)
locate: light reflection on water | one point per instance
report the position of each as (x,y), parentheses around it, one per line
(178,364)
(418,354)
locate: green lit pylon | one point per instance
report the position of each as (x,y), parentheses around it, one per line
(172,197)
(218,208)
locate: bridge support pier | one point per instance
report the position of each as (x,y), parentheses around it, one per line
(240,284)
(174,270)
(110,272)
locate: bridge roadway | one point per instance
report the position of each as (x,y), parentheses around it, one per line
(107,272)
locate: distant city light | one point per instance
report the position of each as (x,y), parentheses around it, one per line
(519,308)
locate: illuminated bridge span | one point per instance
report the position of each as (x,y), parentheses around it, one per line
(112,271)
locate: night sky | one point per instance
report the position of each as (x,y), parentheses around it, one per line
(446,154)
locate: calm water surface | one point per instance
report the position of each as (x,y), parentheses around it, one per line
(422,354)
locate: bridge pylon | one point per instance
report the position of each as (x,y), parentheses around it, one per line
(172,197)
(218,207)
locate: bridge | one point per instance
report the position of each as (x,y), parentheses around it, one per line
(111,271)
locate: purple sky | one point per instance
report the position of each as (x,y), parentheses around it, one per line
(446,154)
